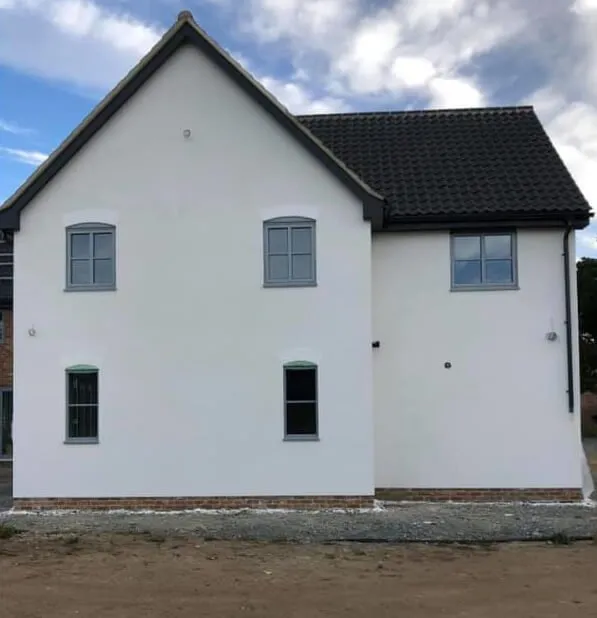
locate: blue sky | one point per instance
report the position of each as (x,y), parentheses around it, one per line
(58,58)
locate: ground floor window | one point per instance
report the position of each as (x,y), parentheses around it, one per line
(300,400)
(82,404)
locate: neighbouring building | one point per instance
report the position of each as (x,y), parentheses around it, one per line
(5,347)
(220,304)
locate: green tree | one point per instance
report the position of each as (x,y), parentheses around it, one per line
(586,276)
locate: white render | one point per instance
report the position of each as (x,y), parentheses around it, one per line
(498,418)
(191,346)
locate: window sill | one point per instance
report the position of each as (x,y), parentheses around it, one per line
(81,441)
(484,288)
(291,284)
(91,288)
(301,438)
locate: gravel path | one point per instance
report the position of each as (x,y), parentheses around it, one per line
(399,523)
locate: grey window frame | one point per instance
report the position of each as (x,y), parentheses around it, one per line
(78,370)
(301,366)
(289,223)
(477,287)
(91,229)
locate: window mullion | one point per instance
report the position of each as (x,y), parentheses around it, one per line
(289,249)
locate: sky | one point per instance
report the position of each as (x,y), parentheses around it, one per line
(58,58)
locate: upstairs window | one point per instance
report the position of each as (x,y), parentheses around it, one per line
(300,401)
(484,261)
(82,403)
(91,259)
(289,252)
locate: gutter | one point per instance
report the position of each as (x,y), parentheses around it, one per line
(569,354)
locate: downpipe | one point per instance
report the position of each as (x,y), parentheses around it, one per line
(569,343)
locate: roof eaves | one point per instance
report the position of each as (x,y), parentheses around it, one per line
(578,219)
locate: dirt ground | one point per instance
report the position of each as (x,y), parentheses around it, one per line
(146,576)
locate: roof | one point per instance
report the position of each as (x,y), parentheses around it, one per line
(434,168)
(451,165)
(185,31)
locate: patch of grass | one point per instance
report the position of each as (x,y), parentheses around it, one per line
(7,531)
(560,538)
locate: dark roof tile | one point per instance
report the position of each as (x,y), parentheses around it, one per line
(453,162)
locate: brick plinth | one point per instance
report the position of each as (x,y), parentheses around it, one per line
(182,503)
(558,494)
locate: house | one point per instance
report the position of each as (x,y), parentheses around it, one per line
(219,304)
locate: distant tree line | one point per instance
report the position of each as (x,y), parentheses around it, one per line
(586,274)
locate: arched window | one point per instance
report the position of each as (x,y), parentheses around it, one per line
(289,252)
(82,404)
(300,401)
(90,257)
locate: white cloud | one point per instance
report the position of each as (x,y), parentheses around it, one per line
(30,157)
(412,71)
(74,16)
(585,6)
(15,129)
(572,126)
(367,61)
(318,22)
(452,92)
(298,100)
(77,41)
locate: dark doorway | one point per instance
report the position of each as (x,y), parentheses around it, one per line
(5,424)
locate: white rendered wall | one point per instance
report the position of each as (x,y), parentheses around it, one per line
(499,417)
(191,346)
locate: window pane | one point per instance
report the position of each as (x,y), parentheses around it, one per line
(277,240)
(498,271)
(79,245)
(278,268)
(82,388)
(82,422)
(498,246)
(301,239)
(103,271)
(467,273)
(301,384)
(102,245)
(80,271)
(302,267)
(301,419)
(466,247)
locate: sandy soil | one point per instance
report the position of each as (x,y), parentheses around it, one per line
(146,576)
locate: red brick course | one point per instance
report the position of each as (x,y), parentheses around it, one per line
(561,494)
(557,494)
(6,351)
(183,503)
